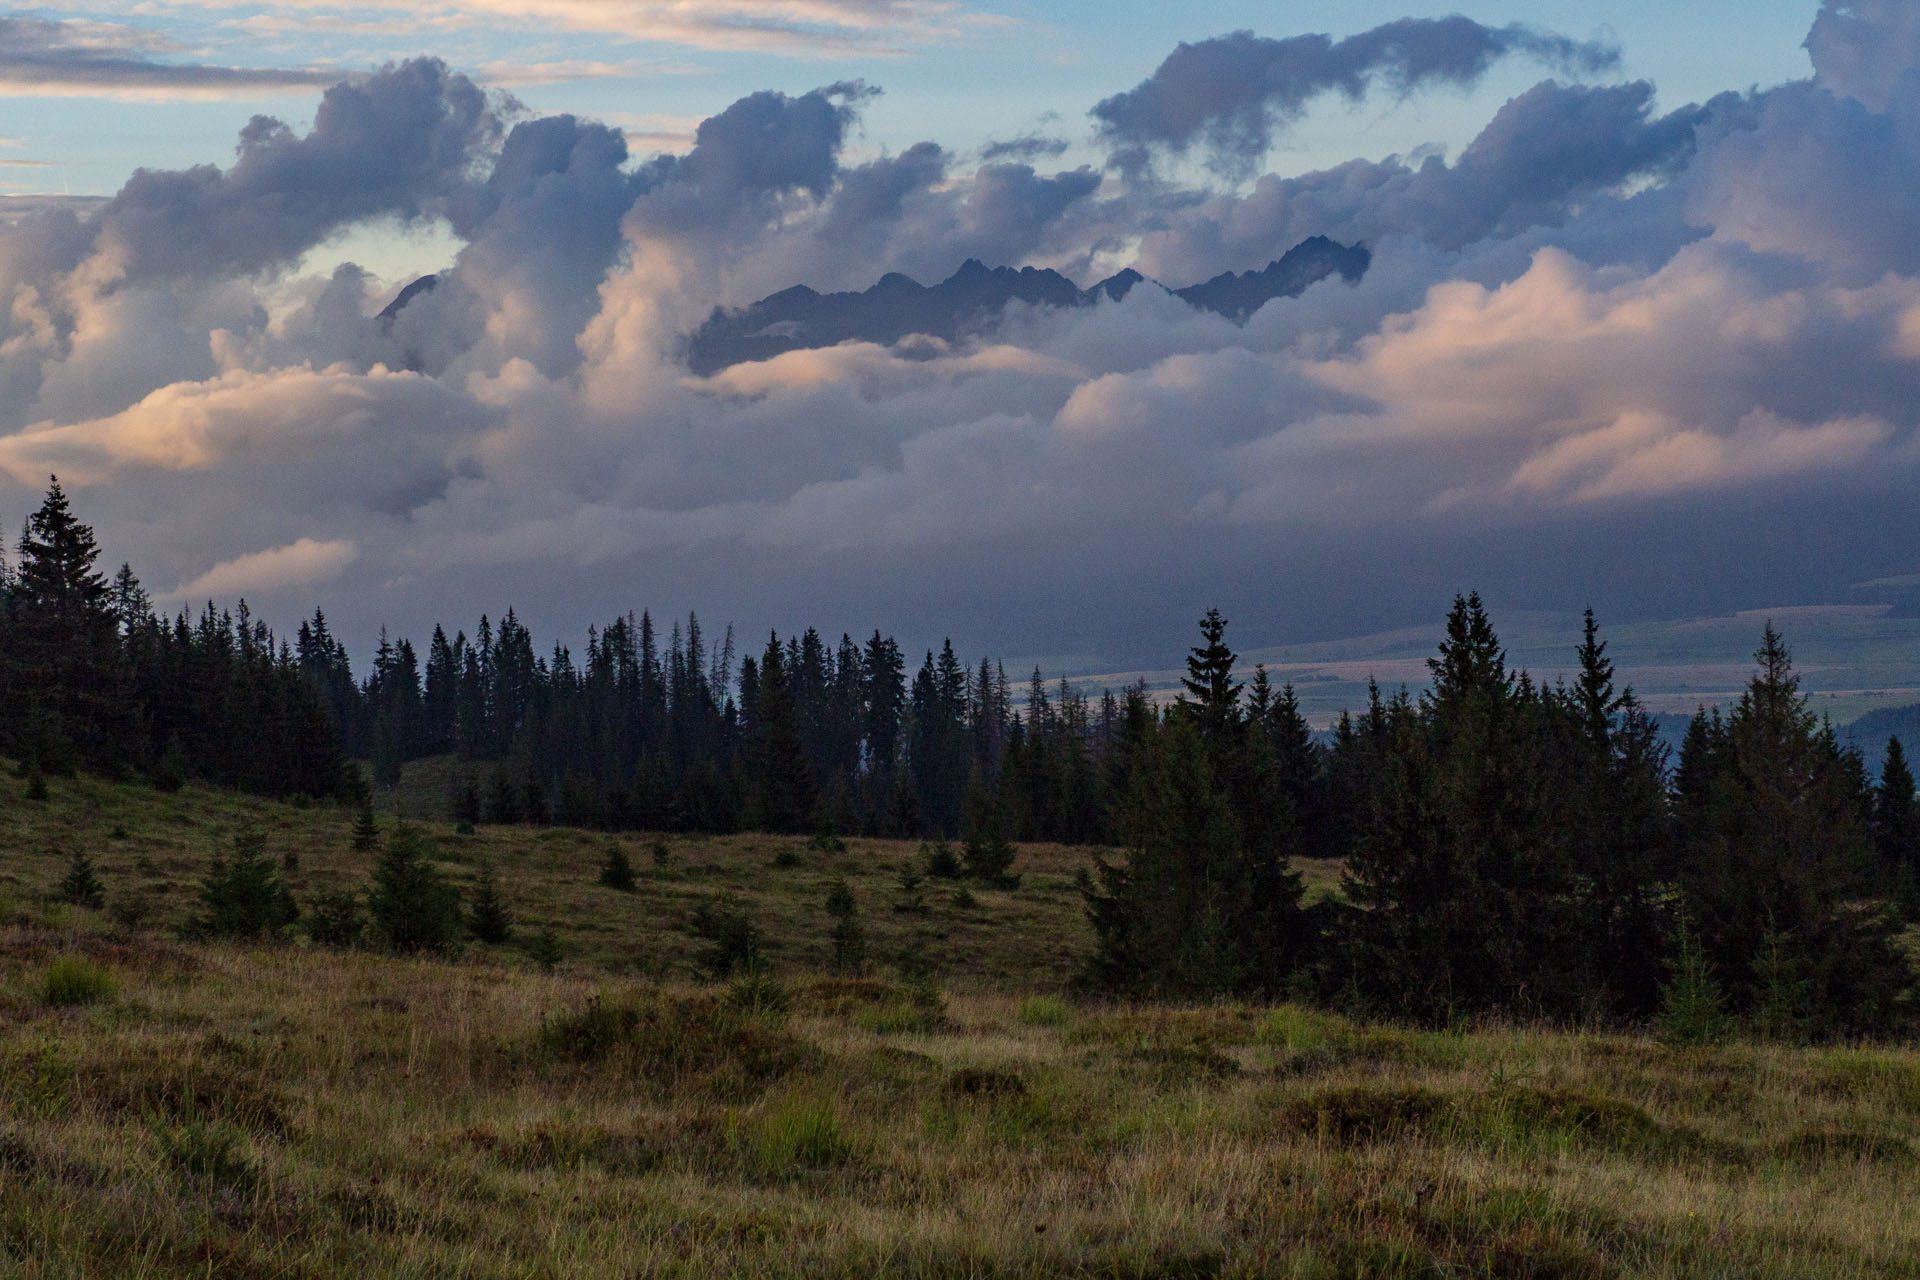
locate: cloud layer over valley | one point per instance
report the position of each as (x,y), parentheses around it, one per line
(1660,357)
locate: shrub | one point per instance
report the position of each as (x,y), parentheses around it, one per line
(989,856)
(759,995)
(827,842)
(36,783)
(244,897)
(940,860)
(544,949)
(489,920)
(786,858)
(130,910)
(616,872)
(662,853)
(1365,1113)
(913,898)
(335,920)
(733,941)
(209,1149)
(81,886)
(849,939)
(1692,1011)
(366,832)
(412,905)
(75,980)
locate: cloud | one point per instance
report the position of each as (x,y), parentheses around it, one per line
(1864,48)
(39,57)
(299,564)
(1604,333)
(794,28)
(400,141)
(1231,94)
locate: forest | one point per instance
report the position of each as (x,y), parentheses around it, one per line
(1510,849)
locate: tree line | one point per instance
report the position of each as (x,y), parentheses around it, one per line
(92,677)
(1514,849)
(1507,847)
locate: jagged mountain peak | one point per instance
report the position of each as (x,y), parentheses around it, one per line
(973,298)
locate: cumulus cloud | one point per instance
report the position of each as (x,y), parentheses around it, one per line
(1864,48)
(1603,333)
(1231,94)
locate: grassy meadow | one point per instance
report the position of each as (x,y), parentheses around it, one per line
(179,1109)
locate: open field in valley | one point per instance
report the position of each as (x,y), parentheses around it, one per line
(185,1109)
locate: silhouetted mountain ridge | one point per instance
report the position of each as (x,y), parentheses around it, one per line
(973,298)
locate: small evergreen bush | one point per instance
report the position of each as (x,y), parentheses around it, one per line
(940,860)
(412,906)
(244,896)
(616,871)
(489,921)
(366,831)
(544,949)
(989,856)
(849,939)
(733,941)
(662,853)
(81,886)
(913,897)
(1692,1011)
(336,920)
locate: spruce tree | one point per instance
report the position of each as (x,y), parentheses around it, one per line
(366,831)
(243,894)
(81,886)
(1191,912)
(1692,1009)
(1896,827)
(412,905)
(849,939)
(616,870)
(1776,839)
(780,781)
(488,920)
(985,851)
(67,686)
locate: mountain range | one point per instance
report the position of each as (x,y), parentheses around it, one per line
(973,298)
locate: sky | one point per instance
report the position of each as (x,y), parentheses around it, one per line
(1641,331)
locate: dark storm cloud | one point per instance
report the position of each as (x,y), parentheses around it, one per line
(1232,93)
(92,57)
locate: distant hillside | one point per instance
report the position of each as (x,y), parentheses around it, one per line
(973,298)
(1870,732)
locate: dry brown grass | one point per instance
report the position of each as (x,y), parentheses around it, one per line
(293,1111)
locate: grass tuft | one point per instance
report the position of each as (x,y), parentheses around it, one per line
(75,980)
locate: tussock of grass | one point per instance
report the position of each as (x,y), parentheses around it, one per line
(1045,1011)
(73,980)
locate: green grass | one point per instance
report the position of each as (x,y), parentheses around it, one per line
(151,850)
(250,1111)
(72,980)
